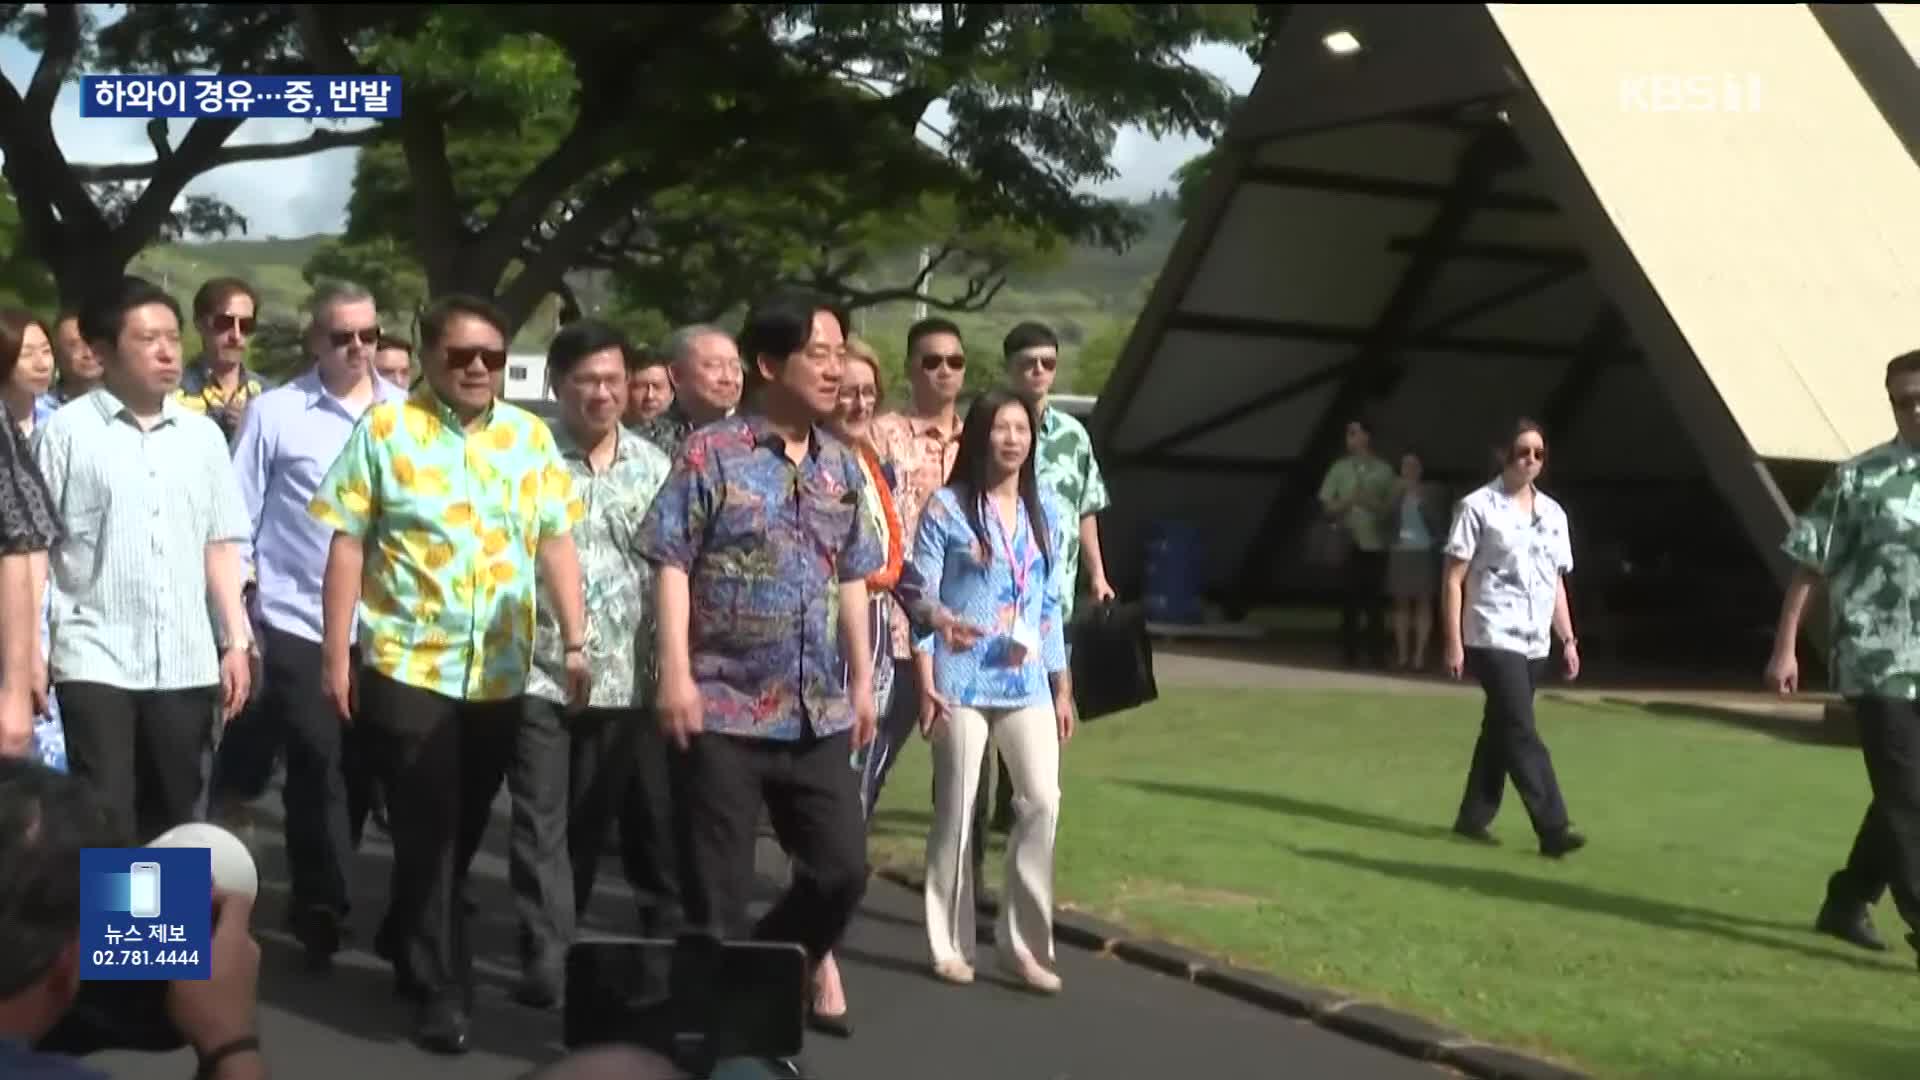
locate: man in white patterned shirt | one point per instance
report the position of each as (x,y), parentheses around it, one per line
(154,522)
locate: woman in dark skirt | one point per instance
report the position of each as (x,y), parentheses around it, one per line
(28,527)
(1417,525)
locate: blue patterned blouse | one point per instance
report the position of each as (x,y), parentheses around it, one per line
(979,584)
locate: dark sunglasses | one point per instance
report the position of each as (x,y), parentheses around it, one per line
(1905,402)
(1047,363)
(343,338)
(1530,453)
(955,361)
(224,323)
(463,356)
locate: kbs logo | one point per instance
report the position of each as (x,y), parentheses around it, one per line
(1690,93)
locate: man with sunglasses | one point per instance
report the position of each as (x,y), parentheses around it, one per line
(218,384)
(919,445)
(1861,540)
(452,516)
(287,441)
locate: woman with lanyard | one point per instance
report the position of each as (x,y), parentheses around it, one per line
(988,548)
(1508,555)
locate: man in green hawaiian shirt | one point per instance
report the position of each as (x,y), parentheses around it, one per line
(1861,539)
(1358,493)
(572,774)
(1064,463)
(451,511)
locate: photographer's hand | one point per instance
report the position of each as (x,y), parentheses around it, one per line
(219,1011)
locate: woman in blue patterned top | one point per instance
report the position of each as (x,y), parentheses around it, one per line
(988,546)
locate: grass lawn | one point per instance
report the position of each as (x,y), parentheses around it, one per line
(1306,834)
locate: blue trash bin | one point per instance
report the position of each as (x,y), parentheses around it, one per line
(1174,553)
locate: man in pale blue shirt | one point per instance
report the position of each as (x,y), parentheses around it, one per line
(150,636)
(289,438)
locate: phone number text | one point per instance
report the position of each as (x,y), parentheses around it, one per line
(146,957)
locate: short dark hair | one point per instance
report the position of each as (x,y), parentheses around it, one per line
(928,327)
(640,357)
(1028,335)
(580,339)
(215,293)
(1904,364)
(46,818)
(433,321)
(780,326)
(104,314)
(394,341)
(1520,427)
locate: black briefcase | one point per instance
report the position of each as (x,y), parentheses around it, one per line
(1112,660)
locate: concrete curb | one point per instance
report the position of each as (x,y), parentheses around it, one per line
(1376,1025)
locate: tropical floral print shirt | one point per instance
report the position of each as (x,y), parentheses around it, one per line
(1515,562)
(1862,534)
(617,578)
(763,542)
(451,521)
(1004,585)
(1067,469)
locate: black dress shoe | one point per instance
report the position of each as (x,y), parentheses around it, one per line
(1564,842)
(1478,836)
(1851,924)
(319,932)
(538,989)
(443,1028)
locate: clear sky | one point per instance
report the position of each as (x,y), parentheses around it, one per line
(305,195)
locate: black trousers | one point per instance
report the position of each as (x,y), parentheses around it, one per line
(1510,747)
(1364,596)
(812,797)
(326,792)
(140,749)
(441,760)
(536,774)
(1886,851)
(649,843)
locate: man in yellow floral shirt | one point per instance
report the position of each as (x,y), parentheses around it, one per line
(447,509)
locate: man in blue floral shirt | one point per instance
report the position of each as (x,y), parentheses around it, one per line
(761,547)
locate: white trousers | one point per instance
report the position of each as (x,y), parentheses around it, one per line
(1030,741)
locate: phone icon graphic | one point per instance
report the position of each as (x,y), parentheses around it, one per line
(143,892)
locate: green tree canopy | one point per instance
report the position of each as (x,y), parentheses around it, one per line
(701,151)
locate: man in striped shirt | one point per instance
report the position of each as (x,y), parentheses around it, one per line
(154,522)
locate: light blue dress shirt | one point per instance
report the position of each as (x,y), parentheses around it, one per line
(288,441)
(978,583)
(129,581)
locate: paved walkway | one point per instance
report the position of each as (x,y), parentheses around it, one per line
(1113,1021)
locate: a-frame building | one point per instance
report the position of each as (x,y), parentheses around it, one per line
(1684,239)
